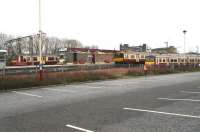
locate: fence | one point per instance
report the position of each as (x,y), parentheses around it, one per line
(65,68)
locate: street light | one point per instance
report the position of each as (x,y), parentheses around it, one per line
(184,33)
(40,41)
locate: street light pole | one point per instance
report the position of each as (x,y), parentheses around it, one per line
(40,41)
(184,33)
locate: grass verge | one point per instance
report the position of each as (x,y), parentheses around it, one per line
(24,81)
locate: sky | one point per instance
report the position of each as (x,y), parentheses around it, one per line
(107,23)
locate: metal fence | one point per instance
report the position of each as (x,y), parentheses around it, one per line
(65,68)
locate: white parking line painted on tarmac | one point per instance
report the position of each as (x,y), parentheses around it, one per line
(169,99)
(147,81)
(28,94)
(78,128)
(87,86)
(190,92)
(60,90)
(163,113)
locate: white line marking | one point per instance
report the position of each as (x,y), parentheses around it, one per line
(33,95)
(164,113)
(96,87)
(192,100)
(86,86)
(78,128)
(60,90)
(189,92)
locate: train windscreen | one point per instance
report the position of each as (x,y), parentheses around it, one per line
(119,55)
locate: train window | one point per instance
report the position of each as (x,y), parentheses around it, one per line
(125,55)
(1,57)
(119,55)
(34,58)
(163,60)
(160,60)
(50,58)
(28,58)
(43,58)
(62,56)
(150,58)
(133,56)
(175,60)
(172,60)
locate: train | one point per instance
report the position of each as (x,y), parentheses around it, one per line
(95,56)
(24,60)
(72,56)
(156,59)
(129,57)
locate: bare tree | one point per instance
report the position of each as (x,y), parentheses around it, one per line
(71,43)
(30,44)
(91,47)
(52,45)
(3,39)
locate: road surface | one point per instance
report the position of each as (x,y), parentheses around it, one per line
(165,103)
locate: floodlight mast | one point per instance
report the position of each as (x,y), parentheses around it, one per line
(184,33)
(40,42)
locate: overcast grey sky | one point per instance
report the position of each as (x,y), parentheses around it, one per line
(107,23)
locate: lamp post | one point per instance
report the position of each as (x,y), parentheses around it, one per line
(184,33)
(40,42)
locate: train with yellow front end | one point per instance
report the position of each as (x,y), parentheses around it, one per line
(155,59)
(129,58)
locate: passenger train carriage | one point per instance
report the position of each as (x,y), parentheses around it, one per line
(156,59)
(129,58)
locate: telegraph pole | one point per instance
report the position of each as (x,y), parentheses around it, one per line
(40,42)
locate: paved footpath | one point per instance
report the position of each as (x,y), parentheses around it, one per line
(165,103)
